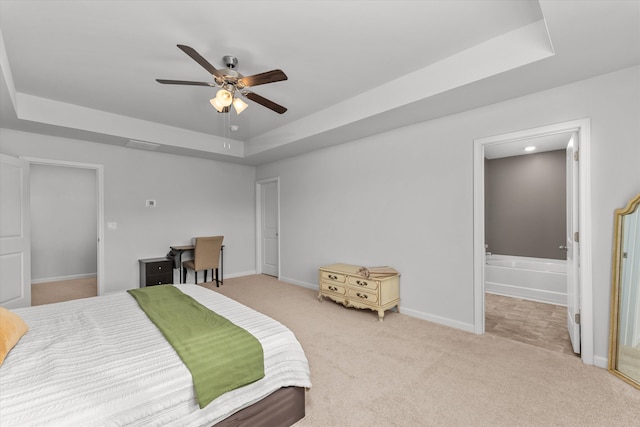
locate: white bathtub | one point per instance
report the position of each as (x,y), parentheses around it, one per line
(537,279)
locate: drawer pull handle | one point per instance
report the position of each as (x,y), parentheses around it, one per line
(333,288)
(332,277)
(361,283)
(364,296)
(160,267)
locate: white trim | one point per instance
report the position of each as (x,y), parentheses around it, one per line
(468,327)
(312,286)
(478,237)
(530,294)
(64,278)
(240,274)
(99,170)
(259,222)
(583,127)
(601,362)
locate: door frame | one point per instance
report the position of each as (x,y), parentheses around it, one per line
(572,247)
(583,128)
(99,171)
(259,254)
(19,243)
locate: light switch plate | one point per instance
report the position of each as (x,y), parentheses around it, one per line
(112,226)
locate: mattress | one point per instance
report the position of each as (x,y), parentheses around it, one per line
(100,361)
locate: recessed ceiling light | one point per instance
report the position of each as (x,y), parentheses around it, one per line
(529,148)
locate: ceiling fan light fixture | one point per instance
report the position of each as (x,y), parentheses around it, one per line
(216,104)
(239,105)
(224,97)
(230,83)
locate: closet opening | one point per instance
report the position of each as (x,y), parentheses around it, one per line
(66,230)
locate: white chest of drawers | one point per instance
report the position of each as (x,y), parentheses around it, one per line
(343,284)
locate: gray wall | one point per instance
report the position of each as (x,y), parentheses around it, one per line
(525,205)
(195,197)
(405,198)
(63,222)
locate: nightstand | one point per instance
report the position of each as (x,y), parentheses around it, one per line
(155,271)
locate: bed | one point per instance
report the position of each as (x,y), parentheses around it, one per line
(100,361)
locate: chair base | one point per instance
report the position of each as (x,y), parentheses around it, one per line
(184,276)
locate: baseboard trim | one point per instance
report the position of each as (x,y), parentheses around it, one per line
(313,286)
(242,273)
(468,327)
(63,278)
(177,273)
(531,294)
(601,362)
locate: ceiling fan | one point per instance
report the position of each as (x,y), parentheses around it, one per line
(232,83)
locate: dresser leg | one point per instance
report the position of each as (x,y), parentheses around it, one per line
(381,315)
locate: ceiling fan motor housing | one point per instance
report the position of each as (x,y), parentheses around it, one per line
(230,61)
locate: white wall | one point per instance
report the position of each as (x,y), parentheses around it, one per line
(402,198)
(194,197)
(405,197)
(63,222)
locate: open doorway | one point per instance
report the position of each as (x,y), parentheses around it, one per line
(66,223)
(517,141)
(525,232)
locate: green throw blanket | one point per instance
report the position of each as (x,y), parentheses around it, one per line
(220,355)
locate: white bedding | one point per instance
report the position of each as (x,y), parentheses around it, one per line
(101,362)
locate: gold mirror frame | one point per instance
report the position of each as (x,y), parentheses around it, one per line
(615,291)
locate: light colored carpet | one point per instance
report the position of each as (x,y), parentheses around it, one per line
(409,372)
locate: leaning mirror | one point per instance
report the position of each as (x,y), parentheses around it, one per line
(624,344)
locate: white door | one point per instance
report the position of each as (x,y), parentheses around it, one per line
(269,221)
(572,245)
(15,244)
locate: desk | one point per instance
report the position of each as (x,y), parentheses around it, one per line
(186,248)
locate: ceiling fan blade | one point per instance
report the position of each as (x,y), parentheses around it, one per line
(264,102)
(184,82)
(263,78)
(200,60)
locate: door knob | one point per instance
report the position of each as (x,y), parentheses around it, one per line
(562,248)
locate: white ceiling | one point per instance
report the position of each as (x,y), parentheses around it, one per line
(87,69)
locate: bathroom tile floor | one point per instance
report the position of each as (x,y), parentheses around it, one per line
(535,323)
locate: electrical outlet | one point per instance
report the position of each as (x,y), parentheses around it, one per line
(151,203)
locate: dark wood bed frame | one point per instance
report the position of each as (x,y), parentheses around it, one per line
(282,408)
